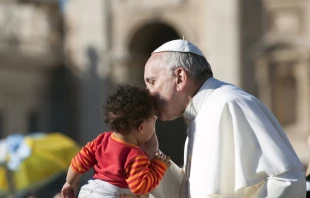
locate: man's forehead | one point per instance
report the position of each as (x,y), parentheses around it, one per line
(151,71)
(155,61)
(151,63)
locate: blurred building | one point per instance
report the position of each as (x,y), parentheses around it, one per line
(58,61)
(31,59)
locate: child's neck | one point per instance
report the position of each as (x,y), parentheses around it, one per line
(127,138)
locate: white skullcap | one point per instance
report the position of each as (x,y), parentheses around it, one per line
(179,46)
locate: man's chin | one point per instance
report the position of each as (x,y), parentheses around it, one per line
(163,117)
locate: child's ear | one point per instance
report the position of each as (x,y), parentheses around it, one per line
(140,128)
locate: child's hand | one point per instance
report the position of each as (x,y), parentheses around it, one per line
(151,146)
(164,158)
(68,191)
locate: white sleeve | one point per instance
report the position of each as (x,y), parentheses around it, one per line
(171,184)
(287,185)
(308,186)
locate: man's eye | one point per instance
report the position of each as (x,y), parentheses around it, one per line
(152,82)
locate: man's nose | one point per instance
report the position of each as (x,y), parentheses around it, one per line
(146,86)
(148,89)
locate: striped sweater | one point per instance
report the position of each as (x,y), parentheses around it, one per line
(120,163)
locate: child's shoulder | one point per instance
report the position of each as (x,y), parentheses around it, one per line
(104,136)
(136,152)
(135,155)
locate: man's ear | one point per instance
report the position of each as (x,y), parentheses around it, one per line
(181,78)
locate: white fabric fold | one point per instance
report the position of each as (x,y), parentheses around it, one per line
(238,146)
(237,142)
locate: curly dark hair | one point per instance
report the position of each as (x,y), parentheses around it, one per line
(127,108)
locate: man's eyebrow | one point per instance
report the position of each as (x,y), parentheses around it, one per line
(148,79)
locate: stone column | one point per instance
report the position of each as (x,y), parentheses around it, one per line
(87,45)
(223,40)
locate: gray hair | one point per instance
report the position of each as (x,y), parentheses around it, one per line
(196,66)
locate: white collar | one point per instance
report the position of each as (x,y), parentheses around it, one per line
(200,97)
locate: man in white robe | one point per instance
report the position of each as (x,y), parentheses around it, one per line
(235,145)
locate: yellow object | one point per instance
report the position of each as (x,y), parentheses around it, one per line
(51,155)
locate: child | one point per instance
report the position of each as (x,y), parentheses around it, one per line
(120,165)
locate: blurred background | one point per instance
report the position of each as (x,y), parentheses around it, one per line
(60,59)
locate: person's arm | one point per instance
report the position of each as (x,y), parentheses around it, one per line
(150,147)
(171,184)
(144,175)
(85,159)
(80,164)
(71,185)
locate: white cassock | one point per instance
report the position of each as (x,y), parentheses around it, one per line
(236,148)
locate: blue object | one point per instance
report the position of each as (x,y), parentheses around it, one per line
(63,4)
(18,150)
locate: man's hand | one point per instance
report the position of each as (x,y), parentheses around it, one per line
(69,190)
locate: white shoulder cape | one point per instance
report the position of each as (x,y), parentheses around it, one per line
(237,143)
